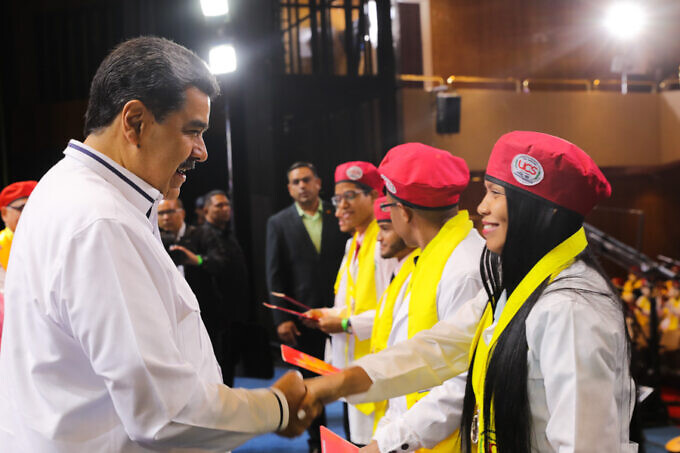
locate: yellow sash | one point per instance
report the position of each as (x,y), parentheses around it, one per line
(550,265)
(382,325)
(361,292)
(422,307)
(6,237)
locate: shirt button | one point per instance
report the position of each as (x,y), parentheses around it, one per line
(404,446)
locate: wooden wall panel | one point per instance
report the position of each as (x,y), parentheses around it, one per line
(616,130)
(545,38)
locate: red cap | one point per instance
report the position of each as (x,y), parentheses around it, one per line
(424,176)
(15,191)
(549,167)
(380,215)
(359,172)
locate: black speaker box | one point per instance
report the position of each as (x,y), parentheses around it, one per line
(448,113)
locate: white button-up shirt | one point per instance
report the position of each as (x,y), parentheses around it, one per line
(104,349)
(429,421)
(580,391)
(340,352)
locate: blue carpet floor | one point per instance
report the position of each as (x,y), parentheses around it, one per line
(271,443)
(656,438)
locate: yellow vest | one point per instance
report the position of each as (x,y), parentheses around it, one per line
(6,237)
(549,266)
(422,306)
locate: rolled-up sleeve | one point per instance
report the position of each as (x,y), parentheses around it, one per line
(118,304)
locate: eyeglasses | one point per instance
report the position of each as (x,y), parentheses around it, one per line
(17,208)
(168,212)
(347,196)
(385,207)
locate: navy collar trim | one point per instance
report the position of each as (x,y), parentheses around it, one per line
(114,171)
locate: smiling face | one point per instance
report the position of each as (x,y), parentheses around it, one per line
(355,208)
(494,212)
(171,147)
(390,243)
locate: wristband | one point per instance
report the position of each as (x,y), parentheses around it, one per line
(345,324)
(200,259)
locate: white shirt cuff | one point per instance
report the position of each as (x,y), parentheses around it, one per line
(283,406)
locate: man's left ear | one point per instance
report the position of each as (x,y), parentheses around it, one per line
(134,115)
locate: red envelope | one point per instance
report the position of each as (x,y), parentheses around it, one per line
(292,312)
(332,443)
(306,361)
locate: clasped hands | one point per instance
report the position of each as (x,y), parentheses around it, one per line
(306,398)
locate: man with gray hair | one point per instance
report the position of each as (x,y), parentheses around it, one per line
(104,348)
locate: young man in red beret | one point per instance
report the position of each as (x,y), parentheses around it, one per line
(361,280)
(387,314)
(12,201)
(423,187)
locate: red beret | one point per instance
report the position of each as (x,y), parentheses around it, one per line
(549,167)
(359,172)
(380,215)
(424,176)
(15,191)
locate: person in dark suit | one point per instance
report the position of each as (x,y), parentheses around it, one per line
(304,249)
(215,268)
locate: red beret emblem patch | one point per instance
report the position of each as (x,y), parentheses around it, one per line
(388,184)
(354,173)
(527,170)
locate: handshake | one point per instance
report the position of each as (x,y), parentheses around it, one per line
(306,398)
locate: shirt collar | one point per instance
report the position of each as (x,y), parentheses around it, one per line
(137,191)
(301,213)
(182,230)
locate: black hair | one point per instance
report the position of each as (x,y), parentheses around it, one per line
(535,226)
(212,193)
(155,71)
(301,164)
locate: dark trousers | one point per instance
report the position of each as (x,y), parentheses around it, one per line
(228,347)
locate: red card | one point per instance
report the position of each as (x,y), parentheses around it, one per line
(306,361)
(292,312)
(332,443)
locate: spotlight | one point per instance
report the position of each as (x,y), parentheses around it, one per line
(625,20)
(222,59)
(214,7)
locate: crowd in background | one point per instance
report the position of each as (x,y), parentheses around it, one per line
(640,295)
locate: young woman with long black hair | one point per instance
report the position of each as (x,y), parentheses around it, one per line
(549,360)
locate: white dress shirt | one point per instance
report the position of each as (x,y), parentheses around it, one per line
(104,349)
(581,395)
(429,420)
(360,425)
